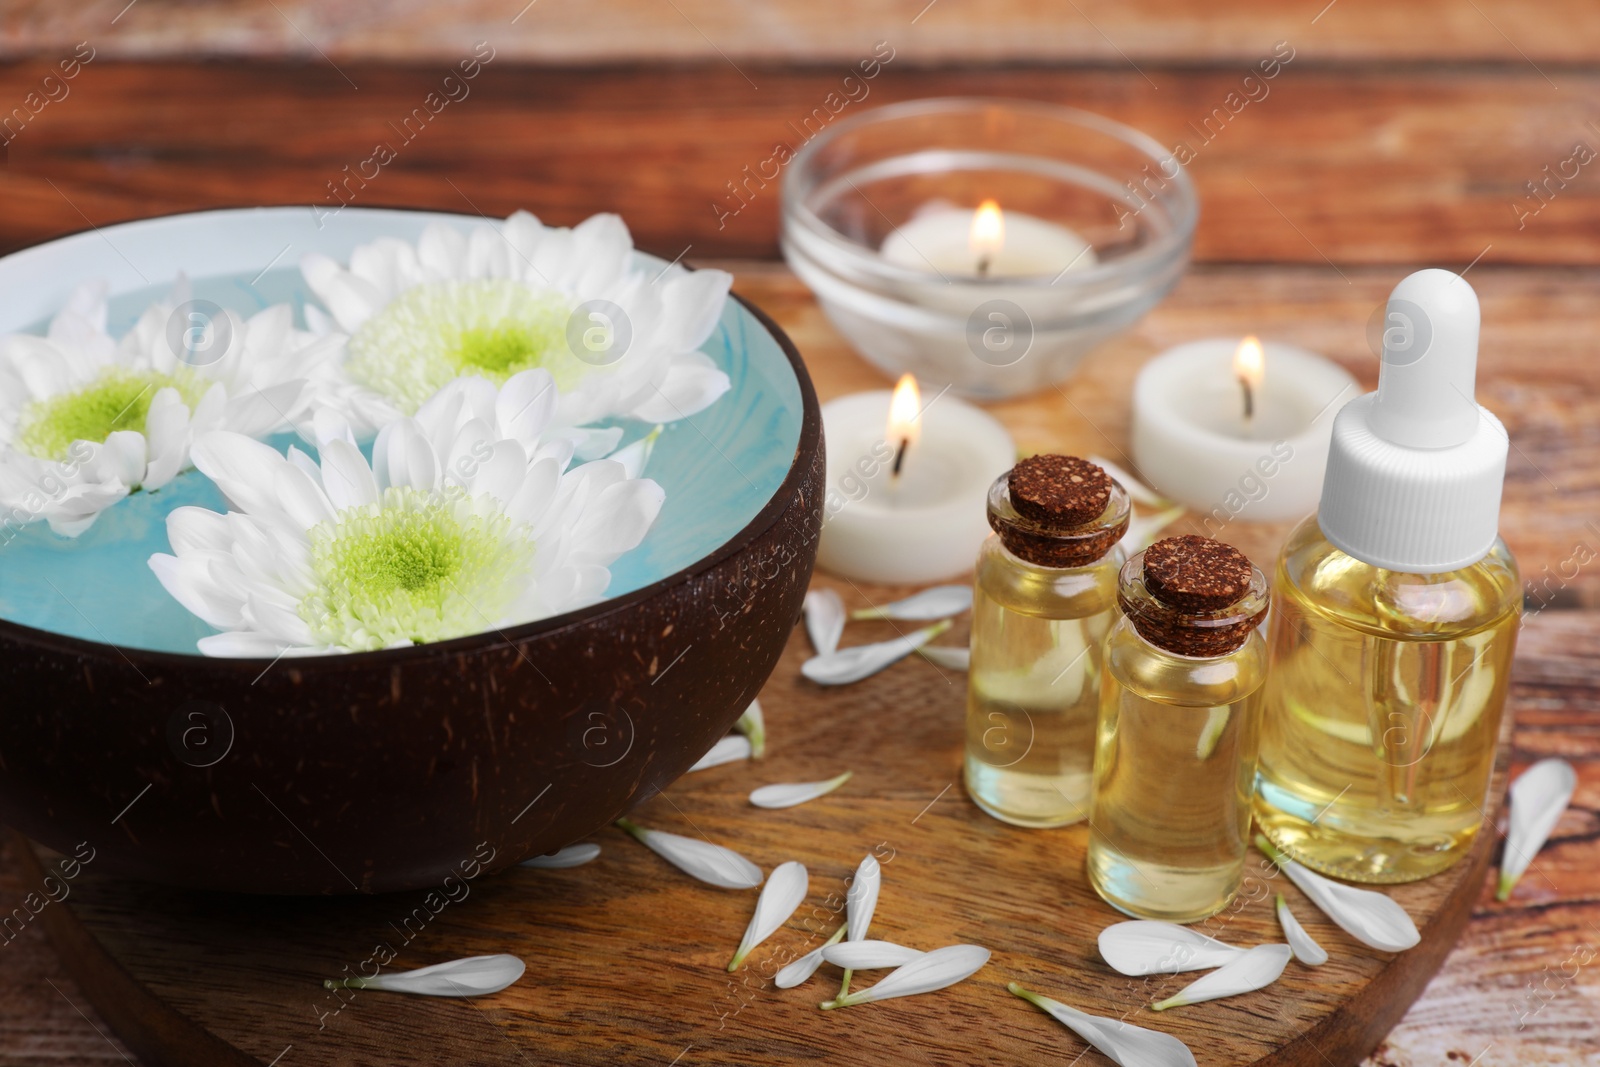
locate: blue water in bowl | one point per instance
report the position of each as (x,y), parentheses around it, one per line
(719,468)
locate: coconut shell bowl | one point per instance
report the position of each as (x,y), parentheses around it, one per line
(370,772)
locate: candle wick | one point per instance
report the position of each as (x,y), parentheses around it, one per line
(983,266)
(1249,399)
(899,457)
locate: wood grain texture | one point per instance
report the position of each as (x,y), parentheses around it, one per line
(1379,164)
(627,956)
(940,31)
(663,938)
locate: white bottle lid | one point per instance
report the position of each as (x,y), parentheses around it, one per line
(1415,469)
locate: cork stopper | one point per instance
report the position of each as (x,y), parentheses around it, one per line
(1196,575)
(1058,511)
(1059,491)
(1193,596)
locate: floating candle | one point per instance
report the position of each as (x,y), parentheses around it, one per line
(986,243)
(907,482)
(1237,430)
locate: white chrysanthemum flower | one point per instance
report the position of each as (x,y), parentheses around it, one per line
(619,341)
(466,520)
(84,420)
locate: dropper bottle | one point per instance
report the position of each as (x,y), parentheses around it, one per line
(1394,615)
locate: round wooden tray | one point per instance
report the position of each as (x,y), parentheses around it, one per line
(626,956)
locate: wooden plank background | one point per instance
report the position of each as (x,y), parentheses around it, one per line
(1383,164)
(1401,135)
(944,32)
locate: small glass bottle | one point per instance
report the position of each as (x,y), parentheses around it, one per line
(1044,598)
(1175,753)
(1395,613)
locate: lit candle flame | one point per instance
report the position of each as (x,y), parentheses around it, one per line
(988,235)
(905,422)
(1249,366)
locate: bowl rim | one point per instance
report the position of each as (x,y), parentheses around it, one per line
(794,212)
(16,633)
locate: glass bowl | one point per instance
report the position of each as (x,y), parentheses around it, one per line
(877,219)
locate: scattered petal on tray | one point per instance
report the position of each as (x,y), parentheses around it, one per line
(790,794)
(800,971)
(728,749)
(1150,946)
(949,657)
(1125,1044)
(862,661)
(825,620)
(869,955)
(753,724)
(1538,797)
(782,894)
(1255,968)
(939,602)
(1304,946)
(712,864)
(938,969)
(1370,917)
(474,976)
(571,856)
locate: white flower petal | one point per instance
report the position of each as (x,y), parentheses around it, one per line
(783,893)
(1370,917)
(1123,1043)
(938,969)
(940,602)
(243,646)
(1256,969)
(1143,530)
(525,405)
(1137,491)
(474,976)
(1150,946)
(635,457)
(1302,944)
(571,856)
(869,955)
(861,899)
(753,724)
(800,971)
(1538,797)
(947,656)
(862,661)
(790,794)
(727,750)
(346,478)
(825,618)
(691,384)
(712,864)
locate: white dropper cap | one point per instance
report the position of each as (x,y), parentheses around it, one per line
(1415,470)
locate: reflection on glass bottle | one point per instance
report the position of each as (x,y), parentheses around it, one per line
(1395,613)
(1179,721)
(1044,599)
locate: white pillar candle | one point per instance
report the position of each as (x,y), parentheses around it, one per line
(926,523)
(1194,443)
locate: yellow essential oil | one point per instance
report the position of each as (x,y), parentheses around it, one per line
(1044,598)
(1179,725)
(1395,614)
(1384,708)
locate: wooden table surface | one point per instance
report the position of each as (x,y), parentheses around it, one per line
(1399,136)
